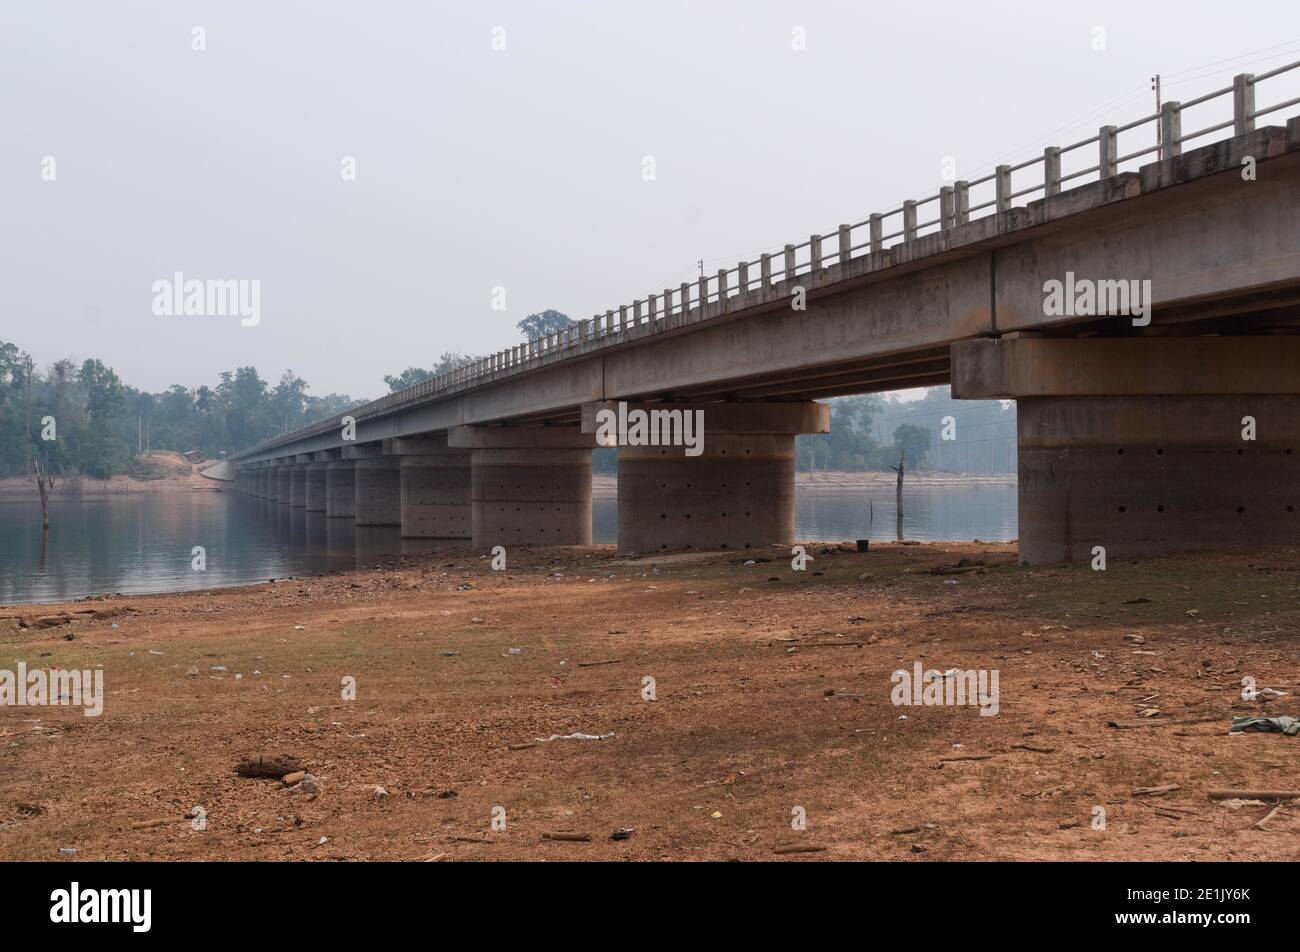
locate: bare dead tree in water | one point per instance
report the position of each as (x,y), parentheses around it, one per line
(898,493)
(45,483)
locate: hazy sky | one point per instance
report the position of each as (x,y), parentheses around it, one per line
(519,168)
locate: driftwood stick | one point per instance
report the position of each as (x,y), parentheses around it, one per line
(1254,794)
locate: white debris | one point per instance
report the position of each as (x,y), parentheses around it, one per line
(576,735)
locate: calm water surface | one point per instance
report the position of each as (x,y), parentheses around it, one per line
(143,543)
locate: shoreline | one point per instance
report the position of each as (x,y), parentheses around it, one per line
(774,687)
(22,488)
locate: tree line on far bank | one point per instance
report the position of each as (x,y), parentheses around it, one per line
(81,419)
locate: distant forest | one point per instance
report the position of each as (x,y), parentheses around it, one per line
(102,424)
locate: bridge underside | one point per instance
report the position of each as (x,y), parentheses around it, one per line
(1133,437)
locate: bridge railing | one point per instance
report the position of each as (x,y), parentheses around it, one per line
(1097,157)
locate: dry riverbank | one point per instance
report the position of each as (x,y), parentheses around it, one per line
(160,472)
(772,692)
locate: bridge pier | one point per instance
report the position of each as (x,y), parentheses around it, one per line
(378,480)
(283,467)
(341,489)
(298,481)
(529,485)
(1147,445)
(737,492)
(316,470)
(435,488)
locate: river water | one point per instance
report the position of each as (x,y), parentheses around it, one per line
(139,543)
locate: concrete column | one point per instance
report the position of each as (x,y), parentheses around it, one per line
(736,492)
(1142,446)
(315,492)
(1143,475)
(528,485)
(341,489)
(283,467)
(378,479)
(435,493)
(263,482)
(298,481)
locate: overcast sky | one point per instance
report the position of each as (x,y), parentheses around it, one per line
(520,168)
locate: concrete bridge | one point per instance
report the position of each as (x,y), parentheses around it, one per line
(1143,308)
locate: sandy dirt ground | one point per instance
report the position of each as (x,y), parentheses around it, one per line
(161,471)
(772,700)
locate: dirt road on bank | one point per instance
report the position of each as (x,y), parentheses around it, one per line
(772,700)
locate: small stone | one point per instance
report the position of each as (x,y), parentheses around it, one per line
(380,794)
(192,673)
(290,779)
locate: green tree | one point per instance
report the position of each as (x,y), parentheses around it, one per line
(543,323)
(104,394)
(407,378)
(913,440)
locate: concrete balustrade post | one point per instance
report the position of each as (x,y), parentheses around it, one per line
(1002,184)
(1243,103)
(1171,130)
(1051,170)
(1107,151)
